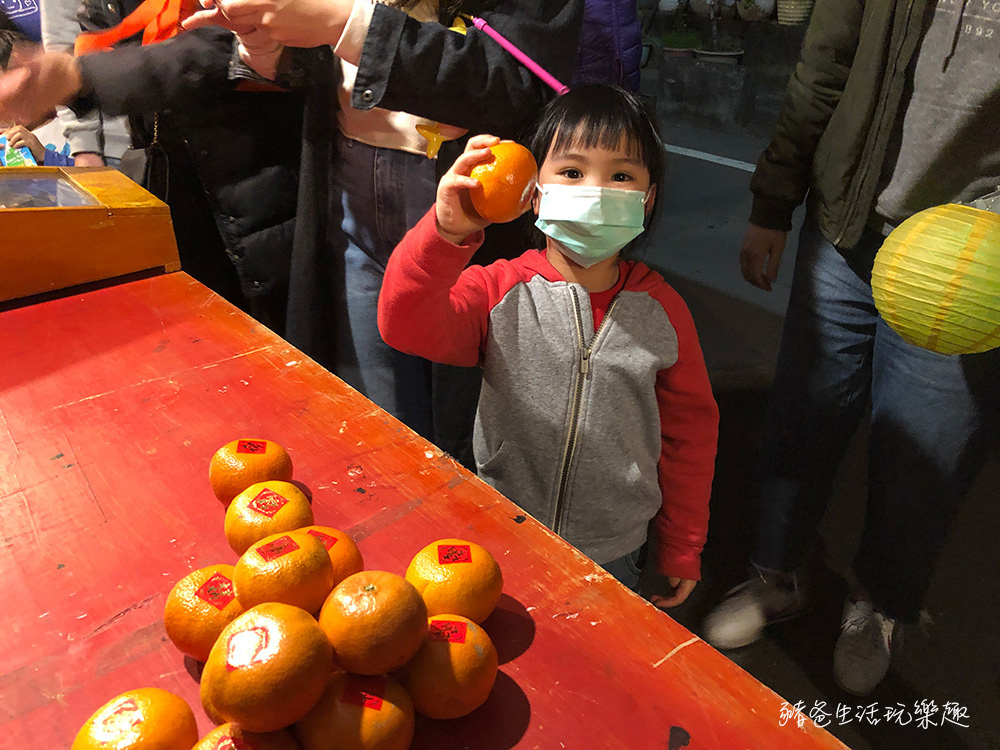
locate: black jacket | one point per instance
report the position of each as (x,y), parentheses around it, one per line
(424,69)
(241,150)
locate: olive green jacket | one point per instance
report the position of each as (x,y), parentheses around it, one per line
(837,116)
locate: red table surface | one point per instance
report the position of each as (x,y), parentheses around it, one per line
(113,401)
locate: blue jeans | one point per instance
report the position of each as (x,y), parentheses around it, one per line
(929,416)
(628,568)
(383,192)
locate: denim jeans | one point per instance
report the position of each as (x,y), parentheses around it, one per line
(930,415)
(383,193)
(628,568)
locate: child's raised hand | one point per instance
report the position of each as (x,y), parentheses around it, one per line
(682,588)
(19,136)
(456,218)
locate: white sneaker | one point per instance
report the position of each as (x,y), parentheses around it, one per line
(863,651)
(741,617)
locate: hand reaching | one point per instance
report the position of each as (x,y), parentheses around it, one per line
(761,255)
(456,218)
(293,23)
(36,82)
(682,589)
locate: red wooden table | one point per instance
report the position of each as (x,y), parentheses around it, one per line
(112,403)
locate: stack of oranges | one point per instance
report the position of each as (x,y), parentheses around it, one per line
(303,647)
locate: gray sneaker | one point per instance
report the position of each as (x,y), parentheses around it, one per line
(741,617)
(863,651)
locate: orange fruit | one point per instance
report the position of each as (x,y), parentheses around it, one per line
(198,607)
(454,671)
(359,713)
(344,553)
(456,577)
(268,668)
(143,718)
(232,736)
(375,621)
(263,509)
(237,465)
(291,567)
(506,184)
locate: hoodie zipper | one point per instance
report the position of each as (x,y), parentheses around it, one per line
(574,415)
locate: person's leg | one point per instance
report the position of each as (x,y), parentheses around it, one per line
(928,442)
(384,192)
(819,396)
(627,569)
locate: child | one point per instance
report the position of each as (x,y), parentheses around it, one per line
(18,136)
(596,414)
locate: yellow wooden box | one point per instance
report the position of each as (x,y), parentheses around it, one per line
(60,227)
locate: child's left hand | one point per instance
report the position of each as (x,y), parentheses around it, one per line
(682,589)
(19,136)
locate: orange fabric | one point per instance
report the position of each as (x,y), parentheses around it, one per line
(156,19)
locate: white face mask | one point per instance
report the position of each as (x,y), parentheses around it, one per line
(590,223)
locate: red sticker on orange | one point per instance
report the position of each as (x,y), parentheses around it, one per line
(217,591)
(280,546)
(454,553)
(251,446)
(247,647)
(452,631)
(226,742)
(267,502)
(327,539)
(366,692)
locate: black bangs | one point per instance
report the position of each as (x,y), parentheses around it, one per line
(601,116)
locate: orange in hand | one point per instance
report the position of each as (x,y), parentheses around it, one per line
(454,671)
(362,713)
(198,607)
(344,553)
(375,622)
(289,567)
(237,465)
(268,668)
(456,577)
(263,509)
(232,736)
(147,717)
(506,184)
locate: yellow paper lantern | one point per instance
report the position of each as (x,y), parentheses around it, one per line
(936,279)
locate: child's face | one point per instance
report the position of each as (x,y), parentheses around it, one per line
(596,166)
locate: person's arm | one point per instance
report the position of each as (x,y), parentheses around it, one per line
(689,419)
(84,132)
(142,79)
(468,80)
(781,179)
(428,306)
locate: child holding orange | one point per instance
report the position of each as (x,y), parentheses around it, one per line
(596,414)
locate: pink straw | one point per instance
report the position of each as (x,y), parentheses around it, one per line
(530,64)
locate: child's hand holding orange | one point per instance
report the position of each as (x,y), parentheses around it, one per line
(456,216)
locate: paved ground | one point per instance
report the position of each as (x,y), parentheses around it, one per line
(955,656)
